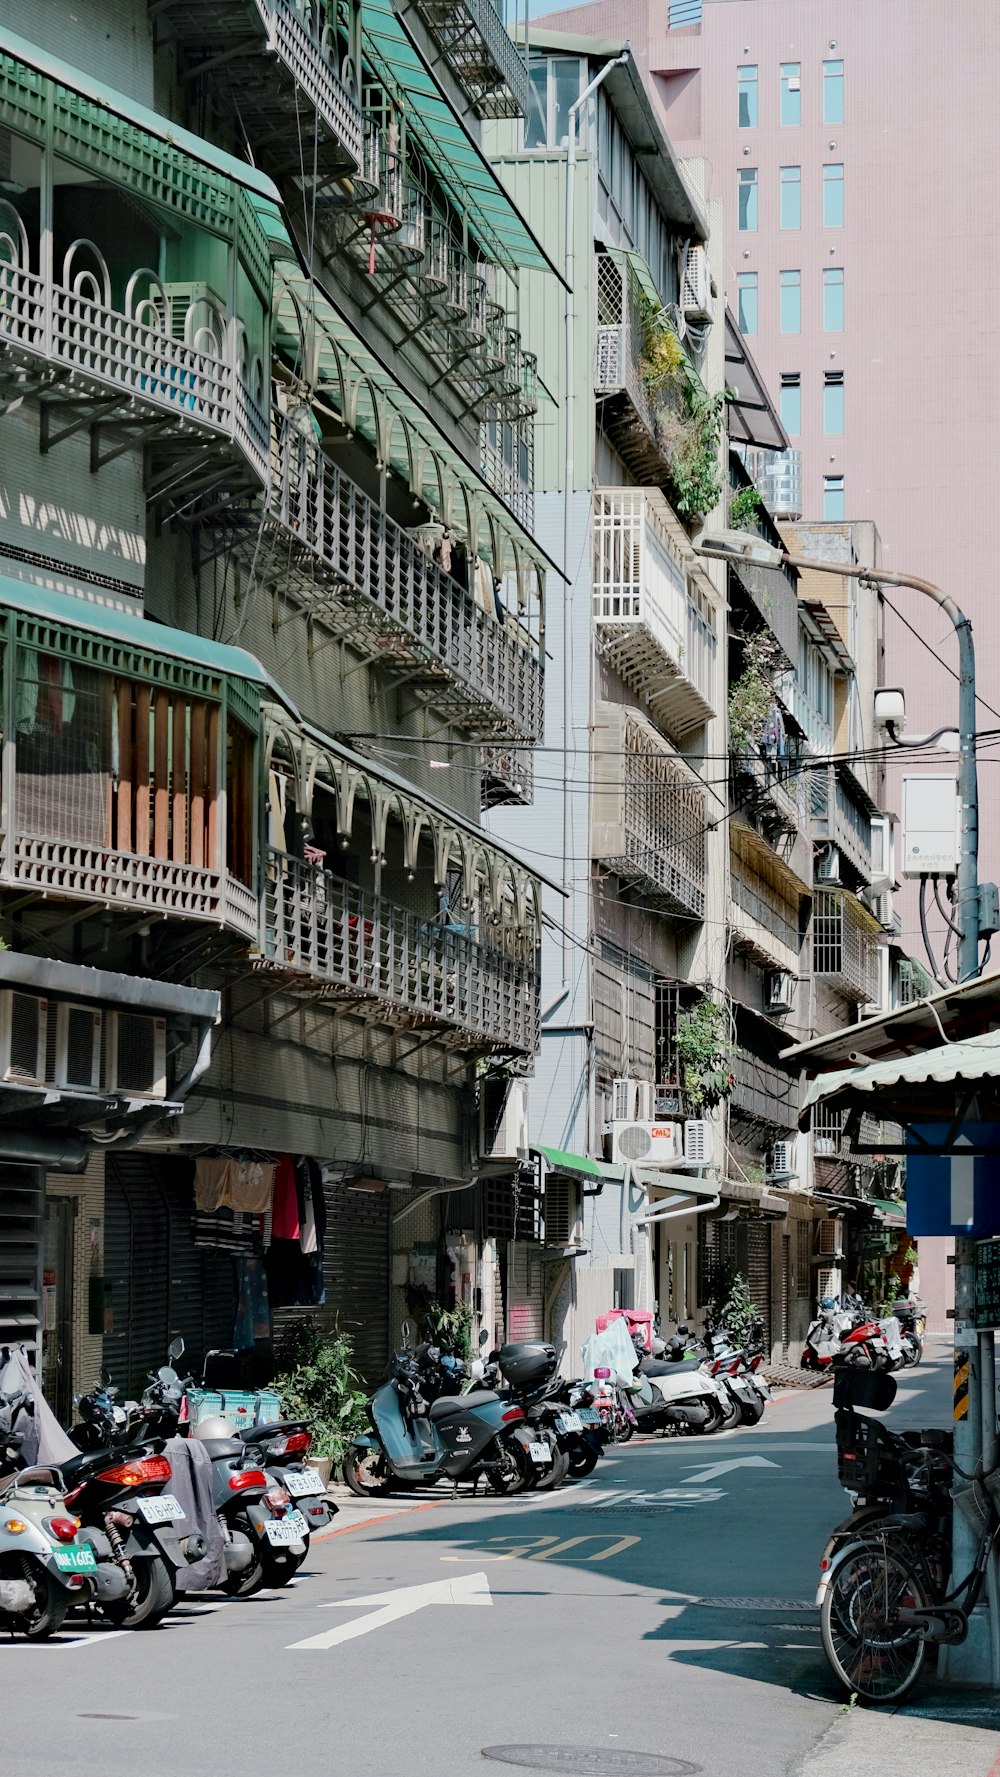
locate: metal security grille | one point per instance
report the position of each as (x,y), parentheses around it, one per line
(22,1209)
(560,1197)
(803,1260)
(664,821)
(828,1129)
(63,736)
(845,945)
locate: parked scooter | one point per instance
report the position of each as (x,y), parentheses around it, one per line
(252,1507)
(687,1397)
(912,1318)
(415,1442)
(118,1492)
(46,1567)
(844,1334)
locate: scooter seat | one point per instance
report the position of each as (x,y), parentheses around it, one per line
(658,1366)
(222,1446)
(449,1404)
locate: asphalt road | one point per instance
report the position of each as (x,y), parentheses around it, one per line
(663,1607)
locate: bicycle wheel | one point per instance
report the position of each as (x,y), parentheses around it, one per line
(876,1656)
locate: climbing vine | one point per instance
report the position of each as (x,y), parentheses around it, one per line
(704,1052)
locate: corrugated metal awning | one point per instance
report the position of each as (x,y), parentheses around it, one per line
(977,1058)
(579,1165)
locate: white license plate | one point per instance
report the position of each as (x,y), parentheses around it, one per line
(568,1422)
(588,1416)
(300,1481)
(160,1511)
(539,1453)
(292,1528)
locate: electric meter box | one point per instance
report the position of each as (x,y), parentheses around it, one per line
(930,826)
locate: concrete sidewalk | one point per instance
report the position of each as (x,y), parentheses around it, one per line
(872,1742)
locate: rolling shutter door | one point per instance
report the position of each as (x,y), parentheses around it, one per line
(525,1305)
(758,1272)
(160,1282)
(356,1270)
(22,1205)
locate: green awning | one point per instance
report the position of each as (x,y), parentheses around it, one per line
(458,161)
(579,1165)
(887,1207)
(163,128)
(297,299)
(72,611)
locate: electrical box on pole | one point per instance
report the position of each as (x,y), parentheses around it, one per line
(930,826)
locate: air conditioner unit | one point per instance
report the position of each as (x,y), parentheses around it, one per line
(23,1032)
(78,1047)
(137,1055)
(783,1164)
(698,1145)
(503,1121)
(827,864)
(696,285)
(646,1144)
(633,1101)
(830,1236)
(780,991)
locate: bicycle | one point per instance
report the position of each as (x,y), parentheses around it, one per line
(883,1593)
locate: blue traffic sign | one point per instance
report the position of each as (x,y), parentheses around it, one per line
(957,1192)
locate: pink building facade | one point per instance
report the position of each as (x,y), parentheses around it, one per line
(855,149)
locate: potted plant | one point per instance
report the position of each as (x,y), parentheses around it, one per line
(318,1383)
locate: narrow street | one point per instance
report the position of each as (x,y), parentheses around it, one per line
(663,1607)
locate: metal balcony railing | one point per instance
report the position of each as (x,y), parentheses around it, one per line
(410,970)
(762,924)
(838,818)
(508,776)
(397,603)
(650,625)
(477,48)
(266,56)
(180,364)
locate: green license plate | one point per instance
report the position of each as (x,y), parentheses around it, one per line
(75,1560)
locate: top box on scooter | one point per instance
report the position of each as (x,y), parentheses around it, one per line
(527,1365)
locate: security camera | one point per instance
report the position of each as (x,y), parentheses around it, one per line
(890,708)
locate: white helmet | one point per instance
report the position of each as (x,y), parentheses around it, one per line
(213,1427)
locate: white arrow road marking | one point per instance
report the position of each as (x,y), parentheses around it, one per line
(723,1468)
(963,1185)
(675,1496)
(466,1588)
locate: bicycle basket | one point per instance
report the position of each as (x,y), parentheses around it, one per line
(867,1462)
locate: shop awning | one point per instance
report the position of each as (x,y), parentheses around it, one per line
(79,612)
(458,161)
(150,122)
(976,1058)
(579,1165)
(889,1210)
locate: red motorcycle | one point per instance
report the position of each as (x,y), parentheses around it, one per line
(845,1335)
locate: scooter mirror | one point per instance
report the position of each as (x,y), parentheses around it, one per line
(484,1337)
(405,1330)
(105,1376)
(166,1375)
(175,1350)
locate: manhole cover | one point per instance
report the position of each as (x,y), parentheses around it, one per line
(592,1761)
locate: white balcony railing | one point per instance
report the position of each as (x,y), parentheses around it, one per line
(414,970)
(482,669)
(648,814)
(291,36)
(480,52)
(845,945)
(650,624)
(184,364)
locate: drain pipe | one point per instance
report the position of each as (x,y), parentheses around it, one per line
(201,1061)
(570,408)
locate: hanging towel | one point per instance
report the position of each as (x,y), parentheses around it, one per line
(285,1206)
(226,1183)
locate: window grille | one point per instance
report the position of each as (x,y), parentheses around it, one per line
(845,946)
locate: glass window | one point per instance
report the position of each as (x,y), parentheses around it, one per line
(791,93)
(747,80)
(833,92)
(746,284)
(833,196)
(833,299)
(790,302)
(791,404)
(833,401)
(791,197)
(536,116)
(748,200)
(833,496)
(565,92)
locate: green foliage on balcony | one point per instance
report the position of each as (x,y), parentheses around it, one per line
(704,1049)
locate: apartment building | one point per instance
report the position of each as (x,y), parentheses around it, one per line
(273,619)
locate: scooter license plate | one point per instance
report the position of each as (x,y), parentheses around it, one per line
(588,1416)
(75,1560)
(292,1528)
(540,1453)
(569,1422)
(161,1510)
(301,1481)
